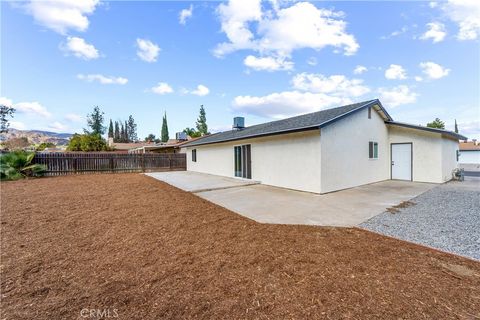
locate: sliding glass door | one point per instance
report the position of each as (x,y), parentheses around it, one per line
(243,160)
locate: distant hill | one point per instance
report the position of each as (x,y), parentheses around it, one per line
(38,136)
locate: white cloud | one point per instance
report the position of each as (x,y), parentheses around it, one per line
(73,117)
(335,85)
(62,15)
(201,90)
(466,13)
(312,61)
(57,126)
(185,14)
(469,128)
(360,69)
(433,70)
(6,102)
(393,97)
(395,33)
(311,92)
(162,88)
(280,31)
(32,108)
(436,32)
(17,125)
(432,4)
(147,50)
(102,79)
(285,104)
(418,78)
(80,48)
(395,71)
(268,63)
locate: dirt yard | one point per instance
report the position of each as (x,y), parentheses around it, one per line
(131,247)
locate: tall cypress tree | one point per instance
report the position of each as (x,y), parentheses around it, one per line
(456,126)
(202,127)
(122,133)
(132,129)
(165,135)
(127,138)
(110,129)
(116,134)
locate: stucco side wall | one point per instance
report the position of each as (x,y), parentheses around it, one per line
(288,160)
(213,159)
(345,147)
(449,158)
(427,152)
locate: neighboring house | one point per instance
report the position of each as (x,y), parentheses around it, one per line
(171,146)
(329,150)
(122,147)
(469,152)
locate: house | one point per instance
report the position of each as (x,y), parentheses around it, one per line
(171,146)
(469,152)
(124,147)
(328,150)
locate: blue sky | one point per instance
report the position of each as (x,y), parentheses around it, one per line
(262,60)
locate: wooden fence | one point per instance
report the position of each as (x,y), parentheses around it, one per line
(89,162)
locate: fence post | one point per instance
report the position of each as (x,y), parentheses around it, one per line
(111,164)
(142,159)
(75,165)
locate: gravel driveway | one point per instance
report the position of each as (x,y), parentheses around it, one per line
(446,217)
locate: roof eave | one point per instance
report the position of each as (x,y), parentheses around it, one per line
(274,133)
(450,134)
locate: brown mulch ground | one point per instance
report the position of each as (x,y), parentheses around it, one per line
(136,248)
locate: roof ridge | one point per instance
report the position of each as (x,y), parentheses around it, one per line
(309,113)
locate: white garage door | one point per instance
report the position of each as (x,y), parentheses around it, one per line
(402,161)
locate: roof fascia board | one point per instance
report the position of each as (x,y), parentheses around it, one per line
(433,130)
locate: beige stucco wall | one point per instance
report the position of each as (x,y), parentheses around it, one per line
(449,158)
(434,156)
(345,162)
(288,160)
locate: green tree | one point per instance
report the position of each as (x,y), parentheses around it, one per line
(152,138)
(95,122)
(110,129)
(5,113)
(132,129)
(192,132)
(437,123)
(126,138)
(122,133)
(87,142)
(116,134)
(202,127)
(42,146)
(456,126)
(165,135)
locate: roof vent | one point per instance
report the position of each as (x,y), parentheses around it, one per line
(181,136)
(238,123)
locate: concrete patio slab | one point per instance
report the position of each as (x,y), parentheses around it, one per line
(345,208)
(198,182)
(269,204)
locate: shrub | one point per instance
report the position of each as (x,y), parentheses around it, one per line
(18,164)
(45,145)
(87,142)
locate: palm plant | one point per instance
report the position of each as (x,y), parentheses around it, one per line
(18,164)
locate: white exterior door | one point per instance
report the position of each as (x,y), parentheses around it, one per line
(402,161)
